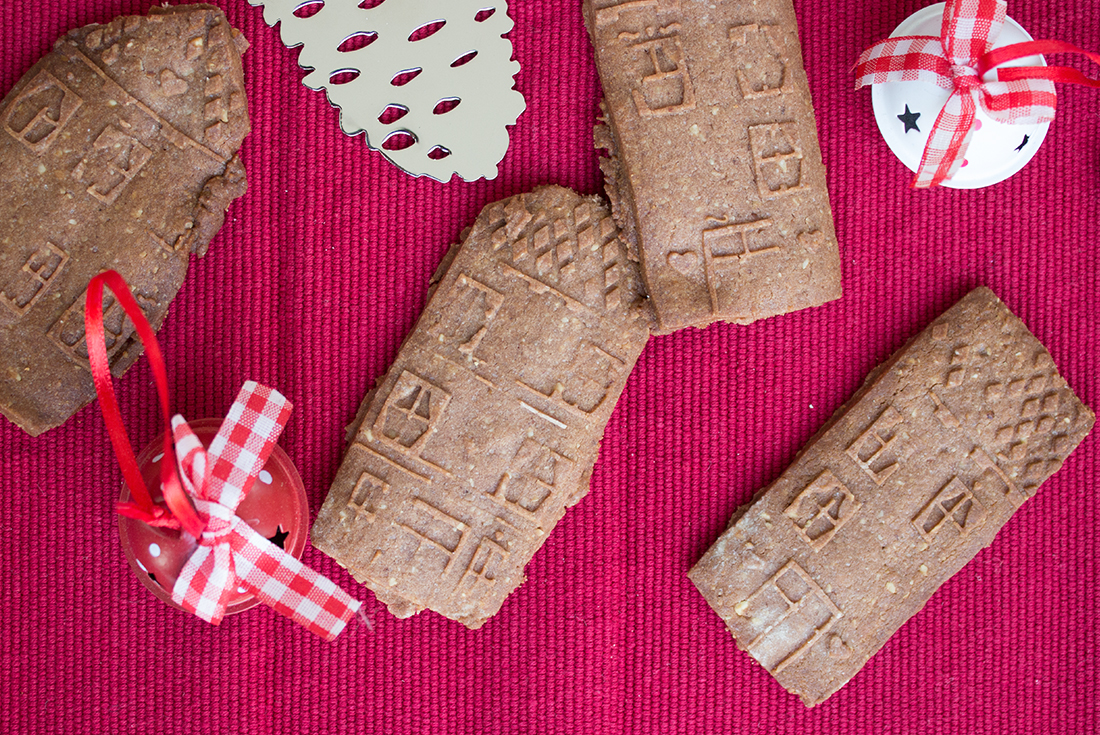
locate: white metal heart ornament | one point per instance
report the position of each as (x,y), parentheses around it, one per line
(430,83)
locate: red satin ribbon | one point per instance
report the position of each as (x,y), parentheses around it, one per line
(1064,74)
(179,513)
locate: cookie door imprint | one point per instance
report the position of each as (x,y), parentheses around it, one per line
(429,83)
(789,613)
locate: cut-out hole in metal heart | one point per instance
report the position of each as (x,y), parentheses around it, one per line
(406,76)
(356,41)
(427,30)
(392,114)
(466,58)
(446,105)
(399,140)
(344,76)
(309,9)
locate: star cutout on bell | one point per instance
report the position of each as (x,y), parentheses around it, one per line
(910,119)
(279,539)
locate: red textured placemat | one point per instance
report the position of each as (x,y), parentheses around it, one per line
(321,270)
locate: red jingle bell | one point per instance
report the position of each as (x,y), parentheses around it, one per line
(276,507)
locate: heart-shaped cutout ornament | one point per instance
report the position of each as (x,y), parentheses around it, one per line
(684,263)
(445,69)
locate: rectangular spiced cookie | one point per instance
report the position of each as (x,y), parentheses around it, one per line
(715,174)
(907,482)
(117,150)
(485,429)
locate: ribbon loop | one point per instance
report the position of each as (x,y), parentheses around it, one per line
(179,512)
(191,459)
(230,555)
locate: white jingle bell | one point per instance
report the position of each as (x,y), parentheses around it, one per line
(906,111)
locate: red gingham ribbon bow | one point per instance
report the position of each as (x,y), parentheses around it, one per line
(957,61)
(230,553)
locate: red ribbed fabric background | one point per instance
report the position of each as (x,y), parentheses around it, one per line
(322,269)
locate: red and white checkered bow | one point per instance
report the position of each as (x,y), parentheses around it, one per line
(957,61)
(231,553)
